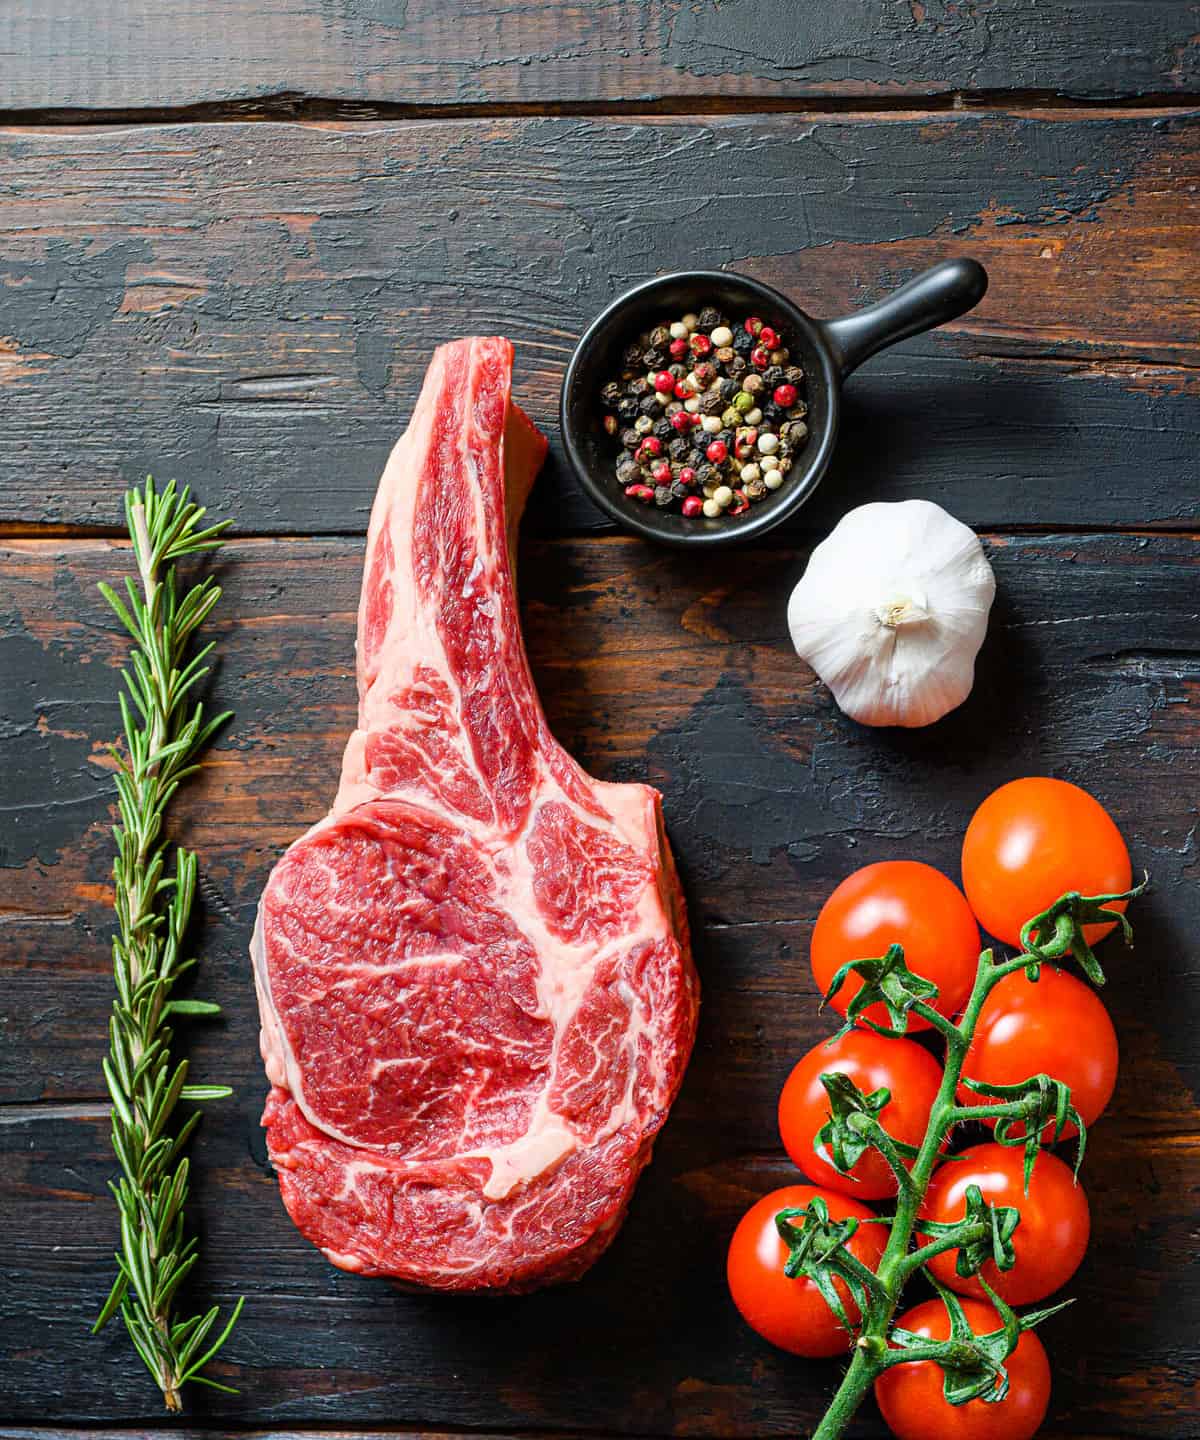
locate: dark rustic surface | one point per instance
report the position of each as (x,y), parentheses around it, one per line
(1092,663)
(250,306)
(117,54)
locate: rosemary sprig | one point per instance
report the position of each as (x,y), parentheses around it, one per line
(155,883)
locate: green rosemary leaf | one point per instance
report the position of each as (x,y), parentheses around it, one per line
(154,889)
(191,1007)
(206,1092)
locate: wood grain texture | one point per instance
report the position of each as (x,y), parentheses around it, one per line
(123,54)
(649,667)
(251,307)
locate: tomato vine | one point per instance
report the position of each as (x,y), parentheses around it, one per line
(972,1363)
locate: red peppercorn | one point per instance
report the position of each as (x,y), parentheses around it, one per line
(683,391)
(678,348)
(661,472)
(740,503)
(717,451)
(644,493)
(682,421)
(700,343)
(687,476)
(760,358)
(785,396)
(693,505)
(664,382)
(768,337)
(650,447)
(754,326)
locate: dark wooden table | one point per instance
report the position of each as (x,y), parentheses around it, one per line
(230,235)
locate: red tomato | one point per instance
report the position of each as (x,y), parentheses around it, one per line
(901,902)
(911,1400)
(1032,841)
(791,1313)
(904,1067)
(1050,1240)
(1058,1027)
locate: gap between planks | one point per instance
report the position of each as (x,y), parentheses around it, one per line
(291,106)
(36,533)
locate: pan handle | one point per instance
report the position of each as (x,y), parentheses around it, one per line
(931,298)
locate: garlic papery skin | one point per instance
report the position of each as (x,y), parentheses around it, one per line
(892,610)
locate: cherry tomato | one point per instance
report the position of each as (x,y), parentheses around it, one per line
(1058,1027)
(872,1062)
(1032,841)
(911,1400)
(898,902)
(1050,1240)
(791,1313)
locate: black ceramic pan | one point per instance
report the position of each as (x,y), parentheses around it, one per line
(829,351)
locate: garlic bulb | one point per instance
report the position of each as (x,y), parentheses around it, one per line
(892,610)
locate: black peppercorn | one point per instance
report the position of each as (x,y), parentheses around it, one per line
(711,403)
(633,358)
(663,431)
(694,458)
(630,439)
(773,375)
(627,407)
(709,318)
(628,471)
(794,374)
(648,405)
(653,359)
(772,414)
(727,389)
(611,394)
(677,448)
(708,474)
(737,367)
(679,490)
(743,343)
(660,337)
(662,496)
(638,387)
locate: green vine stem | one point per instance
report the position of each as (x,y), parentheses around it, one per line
(165,734)
(973,1364)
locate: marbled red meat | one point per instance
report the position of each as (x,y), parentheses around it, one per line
(476,991)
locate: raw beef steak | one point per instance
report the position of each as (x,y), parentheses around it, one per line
(476,991)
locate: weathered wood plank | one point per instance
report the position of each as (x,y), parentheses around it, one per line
(111,56)
(1090,671)
(251,307)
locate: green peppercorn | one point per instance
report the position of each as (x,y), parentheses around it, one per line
(731,418)
(743,401)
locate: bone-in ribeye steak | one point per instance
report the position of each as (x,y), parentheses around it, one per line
(476,990)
